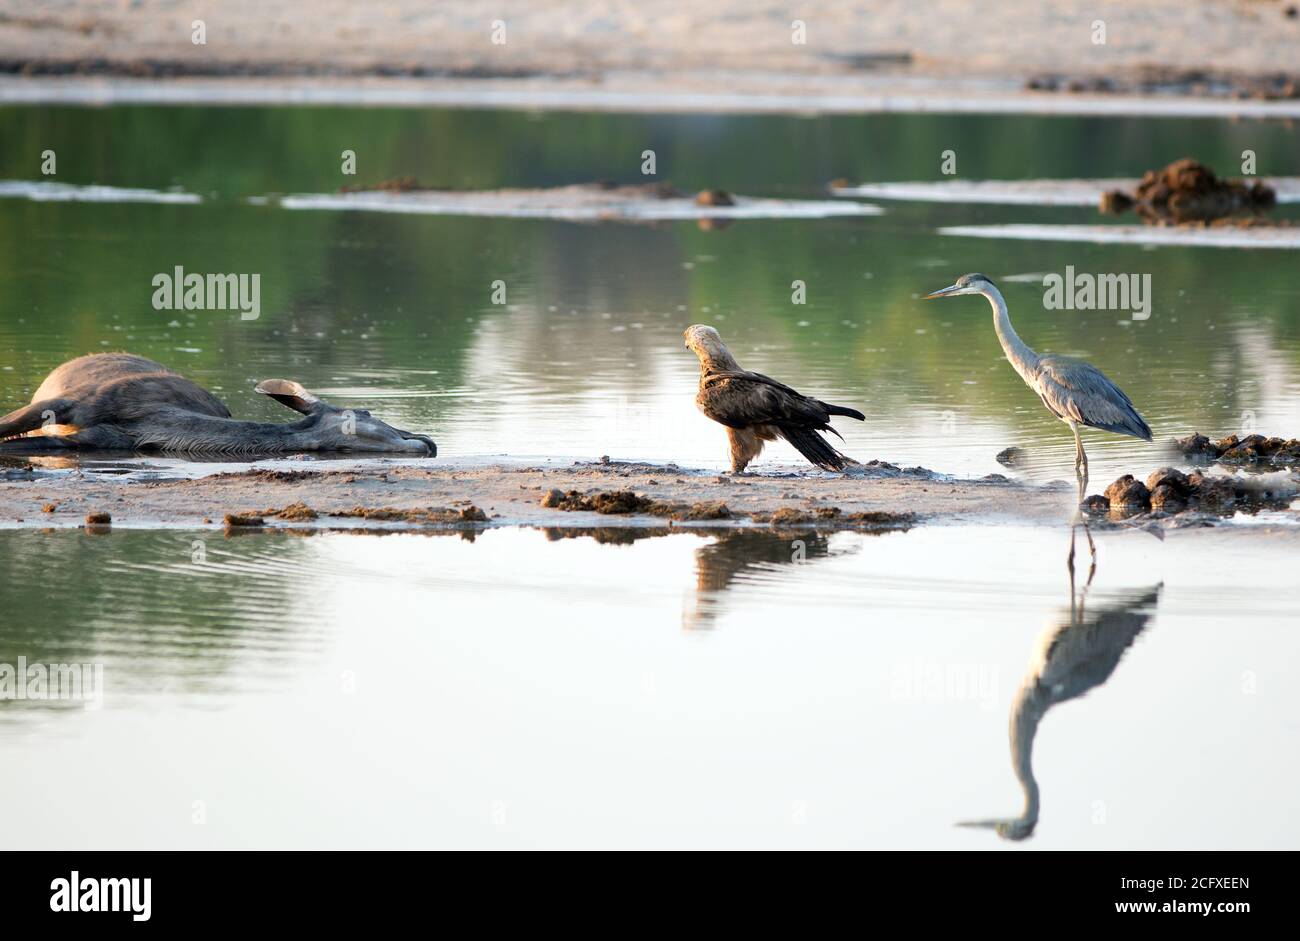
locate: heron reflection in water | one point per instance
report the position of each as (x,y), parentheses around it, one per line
(1074,655)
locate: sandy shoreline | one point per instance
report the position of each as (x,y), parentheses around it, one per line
(1170,57)
(450,497)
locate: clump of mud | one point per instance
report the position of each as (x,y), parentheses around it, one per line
(615,502)
(793,515)
(625,502)
(428,514)
(1168,491)
(1095,505)
(1187,192)
(1128,493)
(879,518)
(704,510)
(1248,450)
(295,512)
(714,198)
(250,520)
(869,520)
(1012,456)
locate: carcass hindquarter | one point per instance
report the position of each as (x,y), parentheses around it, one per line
(118,401)
(109,386)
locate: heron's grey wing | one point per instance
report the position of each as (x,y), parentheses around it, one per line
(1077,390)
(743,399)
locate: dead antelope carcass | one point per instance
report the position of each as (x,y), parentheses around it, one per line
(122,402)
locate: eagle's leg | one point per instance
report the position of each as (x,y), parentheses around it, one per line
(745,446)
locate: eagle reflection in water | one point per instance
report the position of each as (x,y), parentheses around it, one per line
(741,553)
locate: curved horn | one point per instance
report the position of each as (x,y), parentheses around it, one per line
(290,393)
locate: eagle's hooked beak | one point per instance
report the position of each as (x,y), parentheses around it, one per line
(949,291)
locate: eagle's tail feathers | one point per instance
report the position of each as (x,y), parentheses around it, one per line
(816,449)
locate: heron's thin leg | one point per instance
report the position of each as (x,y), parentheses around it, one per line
(1069,565)
(1080,462)
(1092,552)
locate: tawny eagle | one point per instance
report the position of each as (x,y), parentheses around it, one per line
(755,408)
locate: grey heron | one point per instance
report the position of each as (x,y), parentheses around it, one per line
(1077,653)
(1075,391)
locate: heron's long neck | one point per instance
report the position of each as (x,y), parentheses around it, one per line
(1026,713)
(1019,355)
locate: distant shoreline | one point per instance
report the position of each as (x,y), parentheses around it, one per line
(626,94)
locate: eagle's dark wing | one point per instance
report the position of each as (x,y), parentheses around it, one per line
(744,399)
(740,399)
(756,377)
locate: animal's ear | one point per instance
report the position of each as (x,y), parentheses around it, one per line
(290,393)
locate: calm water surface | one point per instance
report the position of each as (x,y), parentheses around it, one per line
(585,358)
(523,689)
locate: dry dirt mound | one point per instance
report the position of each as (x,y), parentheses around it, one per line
(1188,192)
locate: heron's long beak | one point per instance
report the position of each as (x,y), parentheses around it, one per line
(1015,829)
(979,824)
(943,292)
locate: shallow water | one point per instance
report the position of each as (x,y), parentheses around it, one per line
(528,688)
(395,312)
(523,689)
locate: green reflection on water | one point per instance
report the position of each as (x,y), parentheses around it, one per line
(373,306)
(174,612)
